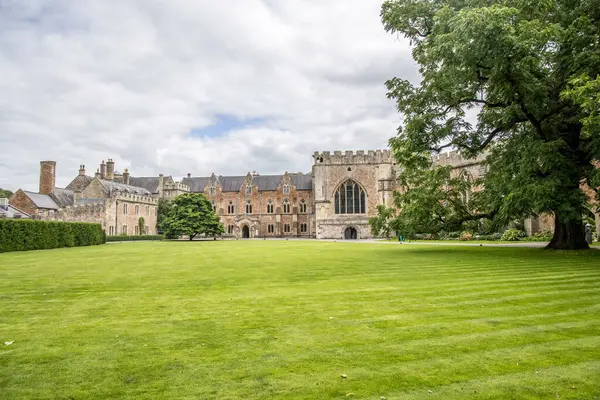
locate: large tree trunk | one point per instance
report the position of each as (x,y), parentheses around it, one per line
(568,234)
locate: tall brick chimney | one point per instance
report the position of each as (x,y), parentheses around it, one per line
(103,170)
(126,176)
(97,174)
(47,176)
(82,170)
(110,170)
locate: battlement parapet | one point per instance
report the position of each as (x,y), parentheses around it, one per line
(455,158)
(136,198)
(177,186)
(353,157)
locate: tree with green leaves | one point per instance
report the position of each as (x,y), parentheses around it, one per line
(528,70)
(162,210)
(5,193)
(383,223)
(191,214)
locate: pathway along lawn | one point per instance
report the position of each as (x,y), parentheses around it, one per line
(285,320)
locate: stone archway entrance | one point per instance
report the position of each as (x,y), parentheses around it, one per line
(245,232)
(350,233)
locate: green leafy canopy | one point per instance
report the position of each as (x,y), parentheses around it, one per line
(529,71)
(191,214)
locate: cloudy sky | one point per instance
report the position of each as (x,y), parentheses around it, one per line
(199,86)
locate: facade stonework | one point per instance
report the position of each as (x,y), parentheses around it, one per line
(374,172)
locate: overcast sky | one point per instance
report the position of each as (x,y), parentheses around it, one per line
(199,86)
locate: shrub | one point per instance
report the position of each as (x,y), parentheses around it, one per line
(27,234)
(134,238)
(491,237)
(464,236)
(513,235)
(542,236)
(453,235)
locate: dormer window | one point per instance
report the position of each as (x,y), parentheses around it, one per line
(212,190)
(248,189)
(286,189)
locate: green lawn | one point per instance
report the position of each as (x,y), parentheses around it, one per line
(285,319)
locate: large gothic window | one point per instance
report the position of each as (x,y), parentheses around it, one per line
(248,207)
(230,208)
(350,198)
(270,207)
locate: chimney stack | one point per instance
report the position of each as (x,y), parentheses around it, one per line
(97,175)
(110,170)
(82,170)
(47,176)
(189,175)
(103,170)
(126,177)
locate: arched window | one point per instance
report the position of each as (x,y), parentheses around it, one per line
(248,189)
(303,206)
(287,228)
(212,190)
(286,206)
(286,189)
(137,210)
(350,198)
(230,208)
(270,207)
(248,207)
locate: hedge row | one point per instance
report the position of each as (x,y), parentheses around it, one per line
(27,234)
(124,238)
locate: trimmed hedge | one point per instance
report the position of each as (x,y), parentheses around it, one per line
(27,234)
(124,238)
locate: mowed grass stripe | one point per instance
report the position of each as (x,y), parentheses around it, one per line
(251,319)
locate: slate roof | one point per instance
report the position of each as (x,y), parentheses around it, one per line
(62,197)
(113,186)
(196,184)
(149,183)
(263,182)
(302,182)
(42,200)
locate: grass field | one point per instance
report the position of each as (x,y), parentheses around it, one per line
(277,319)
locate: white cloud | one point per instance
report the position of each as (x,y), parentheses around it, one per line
(83,81)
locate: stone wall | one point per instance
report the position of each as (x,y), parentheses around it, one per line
(93,213)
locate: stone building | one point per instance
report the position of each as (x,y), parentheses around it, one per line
(260,205)
(118,207)
(347,189)
(333,201)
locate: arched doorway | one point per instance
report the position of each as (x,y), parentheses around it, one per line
(245,232)
(350,233)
